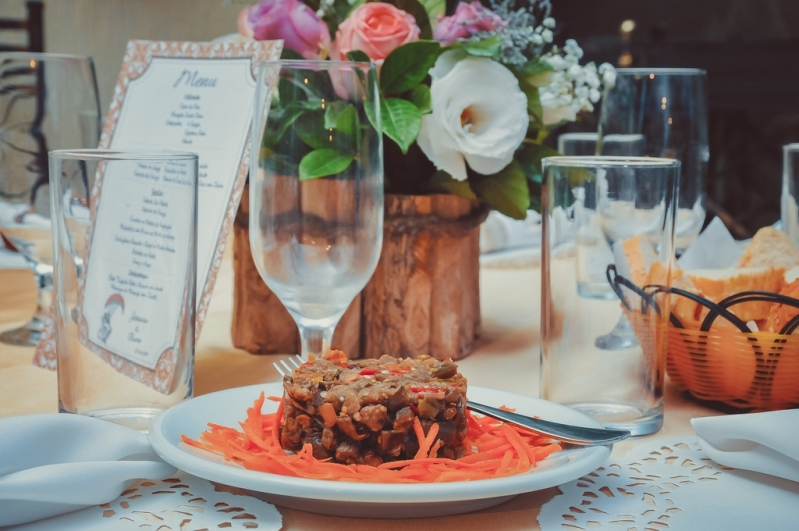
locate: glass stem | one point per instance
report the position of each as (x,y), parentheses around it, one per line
(44,292)
(315,340)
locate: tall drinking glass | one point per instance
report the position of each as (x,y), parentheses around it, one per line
(47,101)
(124,239)
(593,253)
(316,190)
(668,106)
(636,210)
(789,205)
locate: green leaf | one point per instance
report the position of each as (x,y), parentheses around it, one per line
(287,53)
(533,98)
(420,96)
(443,182)
(489,47)
(419,13)
(323,162)
(537,73)
(369,109)
(310,127)
(402,121)
(506,191)
(407,66)
(353,5)
(333,111)
(434,8)
(358,56)
(529,157)
(347,121)
(289,115)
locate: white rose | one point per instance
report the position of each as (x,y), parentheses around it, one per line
(479,115)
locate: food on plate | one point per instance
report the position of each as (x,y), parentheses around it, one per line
(363,411)
(486,448)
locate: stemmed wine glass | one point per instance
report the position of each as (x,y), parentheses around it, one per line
(668,108)
(316,190)
(47,102)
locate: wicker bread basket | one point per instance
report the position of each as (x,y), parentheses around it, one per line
(728,363)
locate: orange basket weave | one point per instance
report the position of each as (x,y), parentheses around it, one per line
(743,369)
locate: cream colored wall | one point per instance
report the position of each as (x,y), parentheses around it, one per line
(101,28)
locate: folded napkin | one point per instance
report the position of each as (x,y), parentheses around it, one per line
(500,233)
(761,442)
(56,463)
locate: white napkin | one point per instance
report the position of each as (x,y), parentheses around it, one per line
(56,463)
(500,233)
(714,248)
(761,442)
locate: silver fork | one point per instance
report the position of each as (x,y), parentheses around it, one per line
(577,435)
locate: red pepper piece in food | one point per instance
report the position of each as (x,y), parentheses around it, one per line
(368,372)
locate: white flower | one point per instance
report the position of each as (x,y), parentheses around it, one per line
(608,74)
(479,115)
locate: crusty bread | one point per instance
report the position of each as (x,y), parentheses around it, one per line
(718,284)
(781,314)
(634,257)
(770,248)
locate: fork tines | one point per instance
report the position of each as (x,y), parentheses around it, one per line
(287,366)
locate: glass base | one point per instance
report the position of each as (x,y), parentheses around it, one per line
(596,290)
(623,417)
(137,418)
(621,337)
(25,336)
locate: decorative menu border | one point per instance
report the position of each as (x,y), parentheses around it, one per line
(138,57)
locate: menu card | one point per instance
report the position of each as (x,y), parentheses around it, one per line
(178,96)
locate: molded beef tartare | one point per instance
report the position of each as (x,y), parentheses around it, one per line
(363,411)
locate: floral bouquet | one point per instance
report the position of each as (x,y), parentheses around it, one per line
(467,98)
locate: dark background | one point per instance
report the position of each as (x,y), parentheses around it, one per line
(750,49)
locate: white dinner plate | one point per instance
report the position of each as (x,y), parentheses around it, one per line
(365,500)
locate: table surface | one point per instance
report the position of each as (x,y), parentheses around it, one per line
(506,357)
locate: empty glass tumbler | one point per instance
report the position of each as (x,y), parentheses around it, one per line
(635,203)
(47,101)
(124,240)
(668,108)
(789,204)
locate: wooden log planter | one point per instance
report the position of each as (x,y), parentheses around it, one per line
(424,297)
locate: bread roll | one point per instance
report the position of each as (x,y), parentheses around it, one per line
(718,284)
(770,248)
(781,314)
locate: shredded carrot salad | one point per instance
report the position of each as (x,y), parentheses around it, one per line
(493,449)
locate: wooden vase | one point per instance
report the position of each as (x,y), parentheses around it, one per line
(423,298)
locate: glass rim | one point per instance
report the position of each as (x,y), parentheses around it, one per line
(663,71)
(598,161)
(44,56)
(316,64)
(121,154)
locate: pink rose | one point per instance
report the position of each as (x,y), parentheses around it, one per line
(468,20)
(291,20)
(375,28)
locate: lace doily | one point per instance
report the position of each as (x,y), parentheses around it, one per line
(180,503)
(669,484)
